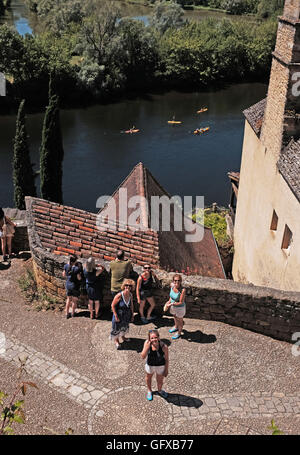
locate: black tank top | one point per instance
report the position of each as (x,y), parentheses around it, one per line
(156,358)
(146,284)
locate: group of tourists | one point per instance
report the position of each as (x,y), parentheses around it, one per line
(89,281)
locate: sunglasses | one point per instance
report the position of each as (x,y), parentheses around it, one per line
(128,285)
(177,281)
(147,268)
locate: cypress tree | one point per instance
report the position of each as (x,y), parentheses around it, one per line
(23,175)
(51,152)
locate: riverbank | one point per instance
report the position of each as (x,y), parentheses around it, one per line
(205,56)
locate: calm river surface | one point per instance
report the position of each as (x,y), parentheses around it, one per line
(98,156)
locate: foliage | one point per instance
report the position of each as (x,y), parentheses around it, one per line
(216,221)
(51,151)
(12,52)
(138,53)
(198,55)
(275,429)
(239,6)
(96,55)
(166,15)
(23,176)
(269,8)
(11,409)
(35,295)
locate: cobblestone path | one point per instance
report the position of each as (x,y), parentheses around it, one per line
(178,408)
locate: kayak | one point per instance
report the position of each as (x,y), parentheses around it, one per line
(174,122)
(201,130)
(132,131)
(204,109)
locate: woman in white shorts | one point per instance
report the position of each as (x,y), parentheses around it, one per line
(7,230)
(177,306)
(157,362)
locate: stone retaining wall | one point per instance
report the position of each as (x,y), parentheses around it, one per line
(268,311)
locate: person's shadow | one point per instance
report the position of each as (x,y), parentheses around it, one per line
(5,265)
(135,344)
(198,337)
(182,400)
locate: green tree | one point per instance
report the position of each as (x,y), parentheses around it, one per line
(23,176)
(166,15)
(51,152)
(269,8)
(138,55)
(12,51)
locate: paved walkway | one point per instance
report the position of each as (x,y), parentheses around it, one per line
(222,380)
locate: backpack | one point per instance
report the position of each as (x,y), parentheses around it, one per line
(72,275)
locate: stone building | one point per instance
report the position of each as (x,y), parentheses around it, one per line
(267,219)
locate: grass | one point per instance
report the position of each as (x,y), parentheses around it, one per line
(216,221)
(35,296)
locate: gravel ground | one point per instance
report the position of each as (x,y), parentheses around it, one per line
(222,379)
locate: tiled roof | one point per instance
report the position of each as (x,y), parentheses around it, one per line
(65,230)
(255,115)
(174,251)
(289,166)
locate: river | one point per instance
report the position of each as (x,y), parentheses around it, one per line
(98,155)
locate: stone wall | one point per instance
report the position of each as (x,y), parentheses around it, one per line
(263,310)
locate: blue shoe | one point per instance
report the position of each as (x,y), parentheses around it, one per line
(175,337)
(163,394)
(149,396)
(152,318)
(173,330)
(144,320)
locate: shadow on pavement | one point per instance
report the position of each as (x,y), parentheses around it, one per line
(182,400)
(198,337)
(135,344)
(4,265)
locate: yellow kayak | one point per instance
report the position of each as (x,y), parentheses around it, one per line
(174,122)
(132,131)
(201,130)
(204,109)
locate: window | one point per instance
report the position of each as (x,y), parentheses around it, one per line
(274,221)
(287,238)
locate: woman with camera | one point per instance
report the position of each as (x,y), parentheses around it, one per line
(157,355)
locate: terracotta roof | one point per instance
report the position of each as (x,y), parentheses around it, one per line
(174,252)
(255,115)
(289,166)
(66,230)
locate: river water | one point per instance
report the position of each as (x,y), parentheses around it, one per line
(99,156)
